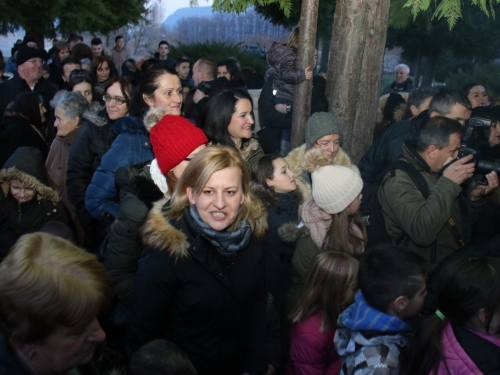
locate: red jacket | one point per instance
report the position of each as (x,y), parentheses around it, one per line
(312,352)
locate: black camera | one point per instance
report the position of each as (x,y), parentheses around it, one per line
(204,87)
(484,165)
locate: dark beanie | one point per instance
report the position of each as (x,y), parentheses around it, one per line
(25,53)
(29,38)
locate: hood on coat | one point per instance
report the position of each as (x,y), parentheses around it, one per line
(27,165)
(276,54)
(296,158)
(129,124)
(96,114)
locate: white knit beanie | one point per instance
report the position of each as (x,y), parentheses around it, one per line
(335,187)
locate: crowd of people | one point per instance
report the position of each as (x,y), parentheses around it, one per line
(142,214)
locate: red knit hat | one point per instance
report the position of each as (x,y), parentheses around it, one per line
(173,138)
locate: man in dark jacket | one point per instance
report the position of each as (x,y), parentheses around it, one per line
(439,224)
(163,56)
(451,103)
(28,78)
(402,81)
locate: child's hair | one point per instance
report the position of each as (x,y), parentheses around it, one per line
(264,169)
(465,286)
(161,357)
(387,272)
(293,39)
(329,286)
(342,236)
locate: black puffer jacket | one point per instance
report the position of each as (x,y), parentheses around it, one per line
(124,249)
(85,156)
(26,165)
(281,209)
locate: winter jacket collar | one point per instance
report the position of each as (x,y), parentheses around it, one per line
(129,124)
(96,115)
(362,317)
(404,86)
(409,152)
(250,149)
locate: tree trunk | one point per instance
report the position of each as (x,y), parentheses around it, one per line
(305,57)
(418,67)
(325,52)
(356,61)
(430,67)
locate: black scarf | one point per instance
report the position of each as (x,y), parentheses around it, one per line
(227,243)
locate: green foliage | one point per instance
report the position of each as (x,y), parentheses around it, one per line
(45,18)
(239,6)
(486,75)
(217,51)
(451,10)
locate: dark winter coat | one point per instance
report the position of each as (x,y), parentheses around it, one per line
(423,220)
(138,192)
(9,90)
(17,132)
(56,73)
(406,86)
(273,122)
(388,148)
(16,219)
(130,147)
(93,141)
(281,209)
(285,75)
(212,307)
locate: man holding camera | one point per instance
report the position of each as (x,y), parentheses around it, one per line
(204,72)
(439,224)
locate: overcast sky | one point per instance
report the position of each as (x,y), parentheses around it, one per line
(170,6)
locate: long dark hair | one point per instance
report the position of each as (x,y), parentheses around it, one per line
(27,105)
(264,170)
(147,87)
(465,286)
(217,115)
(234,70)
(342,237)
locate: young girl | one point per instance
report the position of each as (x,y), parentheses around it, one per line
(463,335)
(330,215)
(327,289)
(274,184)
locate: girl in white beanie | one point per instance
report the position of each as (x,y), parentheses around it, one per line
(330,215)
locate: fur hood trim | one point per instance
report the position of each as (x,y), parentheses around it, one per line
(153,117)
(268,198)
(158,233)
(289,232)
(43,191)
(399,112)
(96,115)
(314,160)
(250,148)
(296,158)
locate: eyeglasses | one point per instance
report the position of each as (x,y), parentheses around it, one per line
(118,101)
(37,61)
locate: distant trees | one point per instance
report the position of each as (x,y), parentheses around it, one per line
(248,27)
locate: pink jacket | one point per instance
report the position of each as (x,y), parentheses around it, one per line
(455,357)
(312,352)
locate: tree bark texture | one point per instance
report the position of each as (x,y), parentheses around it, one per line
(355,68)
(305,57)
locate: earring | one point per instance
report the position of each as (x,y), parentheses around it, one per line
(170,174)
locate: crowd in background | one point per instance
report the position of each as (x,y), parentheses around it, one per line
(148,227)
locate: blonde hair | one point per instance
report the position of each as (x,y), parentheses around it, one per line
(293,39)
(196,175)
(46,282)
(328,286)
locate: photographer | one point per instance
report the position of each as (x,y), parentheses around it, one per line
(206,86)
(439,224)
(487,144)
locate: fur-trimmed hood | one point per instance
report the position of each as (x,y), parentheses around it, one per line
(96,115)
(296,158)
(270,199)
(160,234)
(26,164)
(250,149)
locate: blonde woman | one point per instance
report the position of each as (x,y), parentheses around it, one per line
(201,280)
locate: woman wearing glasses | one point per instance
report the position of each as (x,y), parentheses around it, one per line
(160,87)
(93,141)
(323,131)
